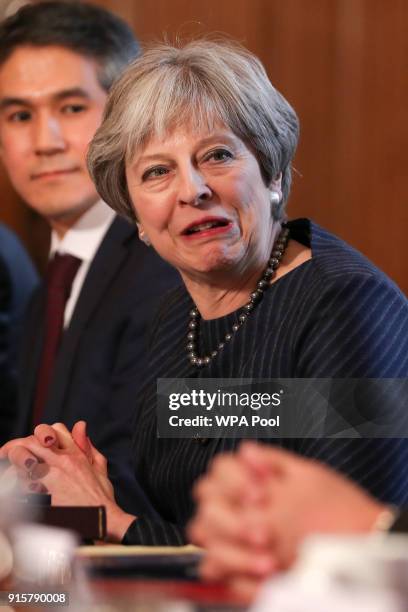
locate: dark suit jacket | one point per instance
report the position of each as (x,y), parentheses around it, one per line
(101,359)
(18,279)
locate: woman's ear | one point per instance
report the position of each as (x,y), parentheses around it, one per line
(275,188)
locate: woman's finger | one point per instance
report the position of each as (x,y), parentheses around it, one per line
(36,487)
(64,436)
(23,459)
(217,521)
(81,439)
(46,435)
(5,449)
(266,460)
(229,479)
(37,452)
(224,560)
(212,521)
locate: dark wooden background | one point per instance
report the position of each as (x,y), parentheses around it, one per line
(343,66)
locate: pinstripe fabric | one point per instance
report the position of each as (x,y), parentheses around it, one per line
(336,315)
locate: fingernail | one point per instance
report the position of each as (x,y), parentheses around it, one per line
(29,463)
(48,439)
(33,486)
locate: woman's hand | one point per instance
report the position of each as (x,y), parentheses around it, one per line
(231,524)
(70,468)
(21,452)
(256,507)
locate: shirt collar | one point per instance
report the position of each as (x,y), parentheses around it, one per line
(84,238)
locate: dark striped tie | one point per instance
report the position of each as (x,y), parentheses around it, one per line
(59,278)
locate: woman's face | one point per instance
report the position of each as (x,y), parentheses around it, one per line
(202,202)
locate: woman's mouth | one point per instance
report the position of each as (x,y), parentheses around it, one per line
(207,227)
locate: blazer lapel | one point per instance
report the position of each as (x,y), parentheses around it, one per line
(108,259)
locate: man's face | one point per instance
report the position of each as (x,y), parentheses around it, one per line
(51,104)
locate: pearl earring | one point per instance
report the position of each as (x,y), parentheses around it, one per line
(275,198)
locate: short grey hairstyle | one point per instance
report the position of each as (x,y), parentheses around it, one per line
(202,84)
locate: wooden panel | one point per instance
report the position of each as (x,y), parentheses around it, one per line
(343,65)
(28,225)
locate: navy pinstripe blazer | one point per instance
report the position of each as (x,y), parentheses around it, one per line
(335,316)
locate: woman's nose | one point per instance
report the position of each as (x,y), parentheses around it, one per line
(193,188)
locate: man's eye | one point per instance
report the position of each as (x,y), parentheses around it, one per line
(72,109)
(155,172)
(20,116)
(218,155)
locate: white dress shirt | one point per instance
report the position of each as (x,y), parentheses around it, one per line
(82,240)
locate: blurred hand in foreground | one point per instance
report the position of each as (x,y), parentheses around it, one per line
(256,506)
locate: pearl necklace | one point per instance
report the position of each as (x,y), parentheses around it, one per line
(254,299)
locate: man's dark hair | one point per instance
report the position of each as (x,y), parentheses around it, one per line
(83,28)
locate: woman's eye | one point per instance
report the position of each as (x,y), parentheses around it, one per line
(218,155)
(155,172)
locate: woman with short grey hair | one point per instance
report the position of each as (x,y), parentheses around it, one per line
(196,147)
(200,85)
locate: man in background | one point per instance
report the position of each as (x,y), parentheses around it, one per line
(18,279)
(84,342)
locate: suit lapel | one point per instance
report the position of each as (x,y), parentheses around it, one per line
(104,267)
